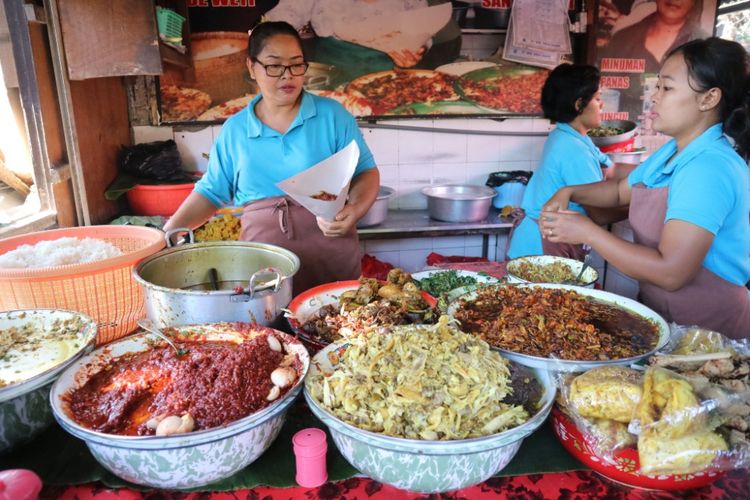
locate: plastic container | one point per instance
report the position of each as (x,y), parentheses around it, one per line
(510,193)
(310,449)
(170,23)
(104,290)
(162,199)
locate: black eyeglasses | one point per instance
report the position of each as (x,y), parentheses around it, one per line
(276,70)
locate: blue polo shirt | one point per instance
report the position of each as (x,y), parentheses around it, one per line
(249,158)
(708,186)
(568,158)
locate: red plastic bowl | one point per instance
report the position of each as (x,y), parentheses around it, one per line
(625,470)
(162,199)
(313,299)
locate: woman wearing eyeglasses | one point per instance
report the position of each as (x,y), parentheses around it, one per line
(282,132)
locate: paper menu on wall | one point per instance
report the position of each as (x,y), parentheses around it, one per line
(525,55)
(410,29)
(323,188)
(541,25)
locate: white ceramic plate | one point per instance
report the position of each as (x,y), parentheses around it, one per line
(580,366)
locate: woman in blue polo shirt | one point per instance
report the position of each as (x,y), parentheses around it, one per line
(571,97)
(689,202)
(282,132)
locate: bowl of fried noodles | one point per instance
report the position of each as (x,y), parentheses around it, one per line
(426,408)
(549,269)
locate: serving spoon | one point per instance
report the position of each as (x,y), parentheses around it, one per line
(586,265)
(149,326)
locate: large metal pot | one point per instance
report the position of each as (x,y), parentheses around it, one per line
(458,202)
(217,281)
(379,210)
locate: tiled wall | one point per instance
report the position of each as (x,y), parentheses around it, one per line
(409,160)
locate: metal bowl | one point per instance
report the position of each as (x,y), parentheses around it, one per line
(458,202)
(421,465)
(590,276)
(565,365)
(627,125)
(24,403)
(379,210)
(182,460)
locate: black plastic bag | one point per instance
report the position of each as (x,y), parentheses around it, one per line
(499,178)
(158,160)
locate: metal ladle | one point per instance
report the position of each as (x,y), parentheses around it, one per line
(149,326)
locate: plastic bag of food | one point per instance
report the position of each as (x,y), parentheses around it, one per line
(601,402)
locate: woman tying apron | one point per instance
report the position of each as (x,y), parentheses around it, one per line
(282,132)
(571,97)
(689,202)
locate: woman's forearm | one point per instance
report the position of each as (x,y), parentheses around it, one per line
(193,212)
(604,194)
(363,191)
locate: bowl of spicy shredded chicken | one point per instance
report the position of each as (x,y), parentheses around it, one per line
(185,417)
(561,327)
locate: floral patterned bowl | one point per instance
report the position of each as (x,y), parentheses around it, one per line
(625,468)
(24,398)
(426,466)
(182,460)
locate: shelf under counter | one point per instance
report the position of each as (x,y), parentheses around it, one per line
(417,224)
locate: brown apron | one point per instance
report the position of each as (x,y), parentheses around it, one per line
(708,301)
(279,220)
(548,248)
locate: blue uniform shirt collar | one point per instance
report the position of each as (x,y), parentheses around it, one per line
(699,144)
(255,127)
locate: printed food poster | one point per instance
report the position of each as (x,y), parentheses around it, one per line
(631,39)
(376,57)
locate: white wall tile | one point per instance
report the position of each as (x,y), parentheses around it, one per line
(415,244)
(193,144)
(483,148)
(537,148)
(515,148)
(412,261)
(449,148)
(541,125)
(415,147)
(383,143)
(449,173)
(373,246)
(473,251)
(215,130)
(415,172)
(448,242)
(145,133)
(473,240)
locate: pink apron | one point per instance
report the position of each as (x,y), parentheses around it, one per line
(281,221)
(708,301)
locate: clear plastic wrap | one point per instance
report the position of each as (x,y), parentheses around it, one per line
(689,411)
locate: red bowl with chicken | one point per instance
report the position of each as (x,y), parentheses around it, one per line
(307,304)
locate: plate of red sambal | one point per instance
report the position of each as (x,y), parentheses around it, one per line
(560,327)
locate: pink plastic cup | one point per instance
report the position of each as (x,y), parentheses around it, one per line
(310,448)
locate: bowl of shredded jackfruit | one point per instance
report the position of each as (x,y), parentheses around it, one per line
(426,408)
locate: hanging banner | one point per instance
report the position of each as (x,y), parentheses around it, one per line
(377,58)
(631,38)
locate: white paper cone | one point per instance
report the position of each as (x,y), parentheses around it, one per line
(330,176)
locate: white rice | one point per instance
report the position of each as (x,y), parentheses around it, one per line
(59,252)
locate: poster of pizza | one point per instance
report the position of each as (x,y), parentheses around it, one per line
(630,40)
(376,57)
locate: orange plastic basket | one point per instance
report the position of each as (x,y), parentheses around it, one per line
(105,290)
